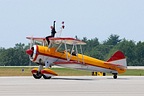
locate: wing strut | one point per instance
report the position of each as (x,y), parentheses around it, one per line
(82,54)
(66,50)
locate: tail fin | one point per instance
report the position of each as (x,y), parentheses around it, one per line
(118,58)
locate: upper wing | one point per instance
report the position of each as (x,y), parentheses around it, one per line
(59,40)
(68,40)
(40,39)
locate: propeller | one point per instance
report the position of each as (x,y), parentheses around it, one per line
(30,51)
(31,42)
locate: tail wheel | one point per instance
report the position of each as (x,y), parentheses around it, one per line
(46,77)
(115,75)
(37,76)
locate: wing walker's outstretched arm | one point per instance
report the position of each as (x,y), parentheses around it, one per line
(54,24)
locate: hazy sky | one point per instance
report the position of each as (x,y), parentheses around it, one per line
(84,18)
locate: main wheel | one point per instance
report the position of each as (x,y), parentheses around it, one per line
(46,77)
(37,76)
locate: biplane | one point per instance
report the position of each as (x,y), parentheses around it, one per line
(67,52)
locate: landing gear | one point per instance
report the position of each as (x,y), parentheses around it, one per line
(46,77)
(37,72)
(47,73)
(115,75)
(37,76)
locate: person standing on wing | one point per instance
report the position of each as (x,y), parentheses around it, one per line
(53,31)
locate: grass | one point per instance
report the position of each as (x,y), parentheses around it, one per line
(17,71)
(134,72)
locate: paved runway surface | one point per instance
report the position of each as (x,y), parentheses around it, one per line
(72,86)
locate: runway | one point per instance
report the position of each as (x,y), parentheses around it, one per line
(72,86)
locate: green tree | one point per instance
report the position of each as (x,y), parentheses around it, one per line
(112,40)
(100,51)
(14,56)
(139,54)
(134,52)
(90,44)
(128,48)
(21,58)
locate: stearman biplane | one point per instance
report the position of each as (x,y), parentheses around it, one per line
(67,52)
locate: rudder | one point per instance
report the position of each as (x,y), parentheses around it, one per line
(118,58)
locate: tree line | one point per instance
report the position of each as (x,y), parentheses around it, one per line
(133,51)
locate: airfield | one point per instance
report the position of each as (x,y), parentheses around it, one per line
(72,86)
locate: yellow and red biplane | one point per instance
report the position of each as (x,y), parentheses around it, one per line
(67,52)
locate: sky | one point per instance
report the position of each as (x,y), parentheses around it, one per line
(83,18)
